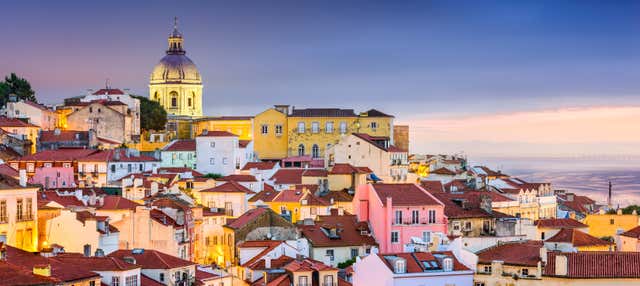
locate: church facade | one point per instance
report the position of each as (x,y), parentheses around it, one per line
(175,81)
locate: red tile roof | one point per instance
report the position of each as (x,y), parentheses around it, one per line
(596,264)
(243,143)
(13,122)
(375,142)
(266,195)
(577,238)
(181,145)
(179,170)
(322,112)
(152,259)
(443,171)
(107,91)
(288,176)
(247,217)
(214,133)
(18,276)
(307,264)
(163,218)
(559,223)
(6,170)
(432,186)
(374,113)
(348,169)
(314,173)
(525,253)
(45,197)
(62,135)
(276,263)
(69,154)
(634,232)
(266,245)
(60,271)
(117,155)
(259,165)
(94,263)
(404,195)
(147,281)
(348,229)
(467,205)
(238,178)
(415,260)
(229,187)
(338,196)
(112,202)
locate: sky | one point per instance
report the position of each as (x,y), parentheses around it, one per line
(488,78)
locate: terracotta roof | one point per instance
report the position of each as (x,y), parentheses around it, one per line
(467,205)
(62,135)
(163,218)
(259,165)
(266,245)
(578,203)
(229,187)
(247,217)
(179,170)
(243,143)
(577,238)
(288,176)
(117,155)
(67,154)
(348,169)
(94,263)
(443,171)
(44,197)
(404,195)
(596,264)
(219,118)
(266,195)
(238,178)
(181,145)
(338,196)
(307,264)
(322,112)
(6,170)
(289,195)
(432,186)
(18,276)
(152,259)
(559,223)
(146,281)
(415,261)
(348,232)
(214,133)
(375,141)
(634,232)
(107,91)
(36,105)
(113,202)
(276,263)
(526,253)
(314,173)
(13,122)
(374,113)
(205,276)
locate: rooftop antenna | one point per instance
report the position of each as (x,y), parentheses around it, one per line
(609,197)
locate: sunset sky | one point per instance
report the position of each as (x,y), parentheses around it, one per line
(510,78)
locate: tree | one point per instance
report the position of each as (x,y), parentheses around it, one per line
(212,176)
(152,114)
(14,84)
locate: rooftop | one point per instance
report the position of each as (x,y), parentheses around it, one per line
(404,195)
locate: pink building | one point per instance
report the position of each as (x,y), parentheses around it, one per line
(400,215)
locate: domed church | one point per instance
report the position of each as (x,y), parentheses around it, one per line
(175,81)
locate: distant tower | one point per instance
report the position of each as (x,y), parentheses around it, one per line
(175,81)
(609,197)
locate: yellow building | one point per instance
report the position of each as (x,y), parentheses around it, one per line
(175,81)
(18,127)
(18,209)
(602,225)
(238,125)
(279,132)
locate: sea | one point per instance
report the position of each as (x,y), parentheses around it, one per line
(585,175)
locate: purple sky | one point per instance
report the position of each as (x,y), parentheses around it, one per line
(425,61)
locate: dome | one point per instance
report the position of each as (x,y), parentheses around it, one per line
(175,68)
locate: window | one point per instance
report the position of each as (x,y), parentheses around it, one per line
(328,127)
(131,280)
(395,237)
(354,252)
(212,161)
(212,144)
(330,253)
(398,217)
(374,125)
(225,161)
(301,150)
(303,281)
(478,284)
(467,226)
(456,225)
(19,210)
(447,264)
(432,216)
(426,236)
(612,221)
(189,102)
(30,167)
(328,280)
(228,208)
(162,277)
(343,127)
(264,129)
(414,217)
(300,127)
(28,209)
(487,269)
(174,99)
(400,266)
(3,212)
(542,235)
(113,168)
(278,130)
(525,272)
(315,151)
(315,127)
(92,283)
(115,281)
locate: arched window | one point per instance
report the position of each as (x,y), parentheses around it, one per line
(156,97)
(174,99)
(315,151)
(301,150)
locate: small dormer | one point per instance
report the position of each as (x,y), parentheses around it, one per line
(400,266)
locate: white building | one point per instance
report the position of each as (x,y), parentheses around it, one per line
(37,114)
(114,94)
(216,152)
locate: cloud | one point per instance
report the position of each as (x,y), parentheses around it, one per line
(592,130)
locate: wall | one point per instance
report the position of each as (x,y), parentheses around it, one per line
(22,234)
(107,122)
(601,225)
(270,145)
(401,136)
(163,91)
(178,159)
(218,159)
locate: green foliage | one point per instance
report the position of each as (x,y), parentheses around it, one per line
(152,114)
(608,238)
(343,265)
(629,209)
(612,211)
(212,176)
(14,84)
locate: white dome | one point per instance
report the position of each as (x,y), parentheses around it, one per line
(175,68)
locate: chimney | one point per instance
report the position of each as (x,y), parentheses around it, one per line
(154,170)
(340,211)
(543,254)
(267,262)
(23,178)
